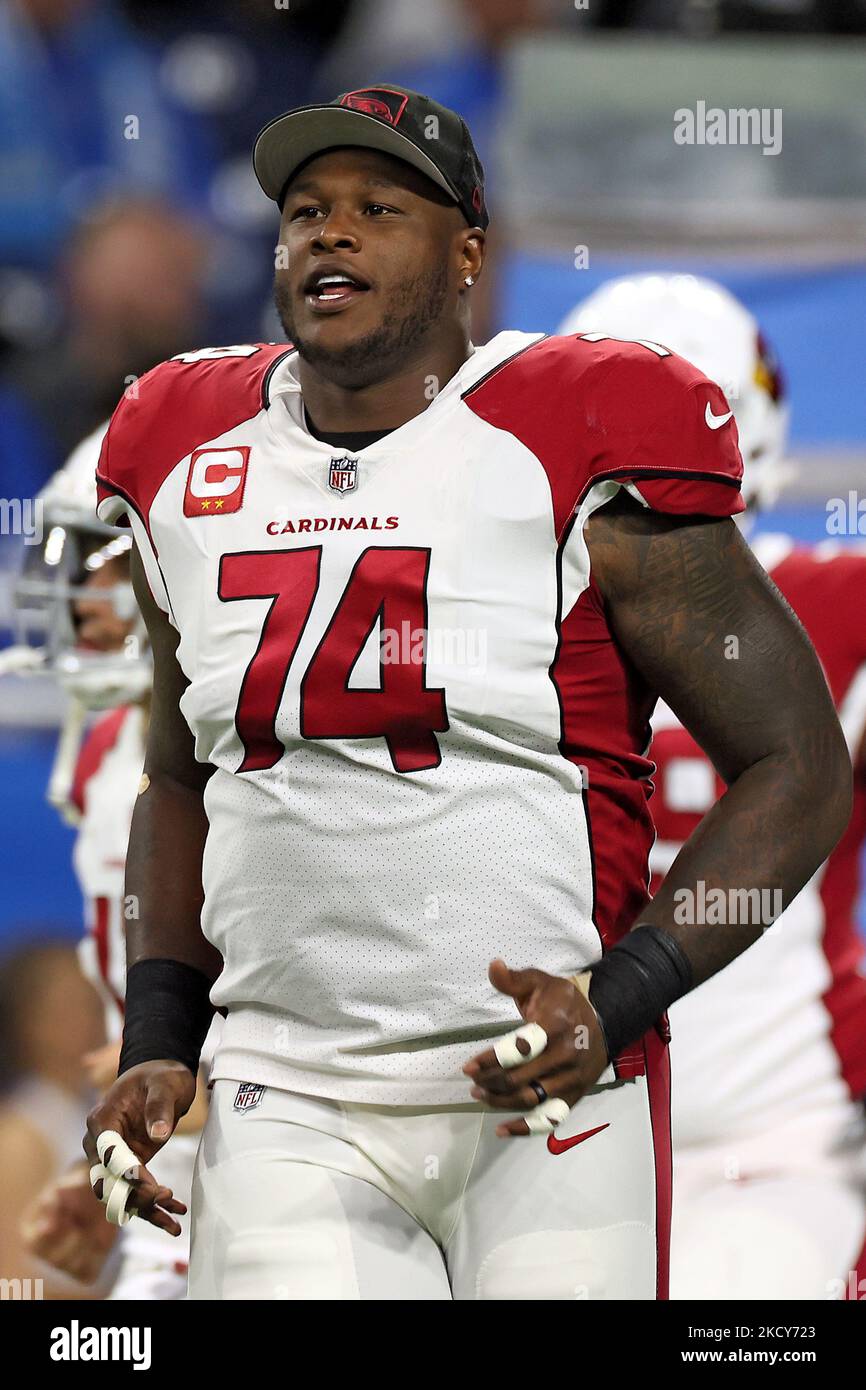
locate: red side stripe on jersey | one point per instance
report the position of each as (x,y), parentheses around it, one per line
(658,1075)
(605,706)
(97,743)
(102,937)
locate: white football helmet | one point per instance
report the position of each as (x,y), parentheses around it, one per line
(701,321)
(75,544)
(55,578)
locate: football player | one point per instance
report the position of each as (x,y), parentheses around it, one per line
(768,1058)
(76,612)
(411,602)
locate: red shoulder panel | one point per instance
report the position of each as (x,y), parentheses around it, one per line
(612,409)
(171,409)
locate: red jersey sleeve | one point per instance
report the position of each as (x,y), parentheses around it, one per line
(170,411)
(663,428)
(595,411)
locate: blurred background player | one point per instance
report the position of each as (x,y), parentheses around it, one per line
(49,1017)
(768,1058)
(76,594)
(132,278)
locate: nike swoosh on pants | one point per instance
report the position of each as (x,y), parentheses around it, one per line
(559,1146)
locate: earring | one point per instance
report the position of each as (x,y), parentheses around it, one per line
(470,280)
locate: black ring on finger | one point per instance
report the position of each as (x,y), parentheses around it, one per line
(539,1090)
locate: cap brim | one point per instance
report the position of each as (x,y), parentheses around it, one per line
(292,139)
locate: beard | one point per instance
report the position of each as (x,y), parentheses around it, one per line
(409,315)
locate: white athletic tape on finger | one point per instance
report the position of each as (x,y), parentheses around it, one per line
(122,1159)
(508,1053)
(115,1195)
(546,1116)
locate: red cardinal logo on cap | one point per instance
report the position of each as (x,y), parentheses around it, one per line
(376,101)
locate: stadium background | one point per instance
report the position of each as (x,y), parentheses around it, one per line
(131,226)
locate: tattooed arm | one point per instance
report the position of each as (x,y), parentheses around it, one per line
(677,590)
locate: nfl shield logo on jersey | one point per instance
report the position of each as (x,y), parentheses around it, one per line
(249,1094)
(341,477)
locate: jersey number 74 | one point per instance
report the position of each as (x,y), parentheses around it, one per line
(388,585)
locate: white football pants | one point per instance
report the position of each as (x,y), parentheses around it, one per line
(304,1198)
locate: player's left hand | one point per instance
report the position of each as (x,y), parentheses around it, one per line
(574,1058)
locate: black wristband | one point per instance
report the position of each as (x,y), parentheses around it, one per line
(635,982)
(167,1013)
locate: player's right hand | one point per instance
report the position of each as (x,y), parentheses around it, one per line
(142,1107)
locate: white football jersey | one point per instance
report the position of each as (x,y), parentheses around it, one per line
(104,789)
(429,751)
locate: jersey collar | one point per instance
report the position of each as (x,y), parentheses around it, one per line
(285,398)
